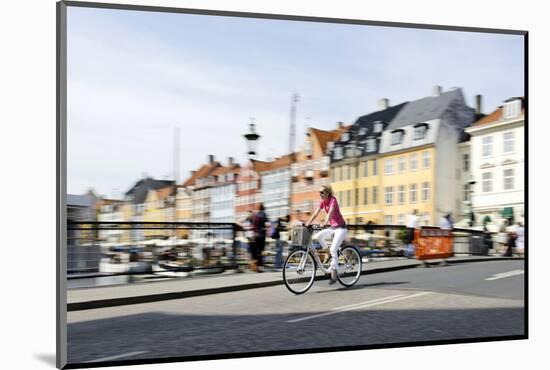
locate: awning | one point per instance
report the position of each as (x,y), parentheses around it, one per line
(508,212)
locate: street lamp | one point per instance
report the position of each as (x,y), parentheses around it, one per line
(469,203)
(251,139)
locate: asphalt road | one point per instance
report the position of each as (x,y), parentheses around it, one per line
(473,300)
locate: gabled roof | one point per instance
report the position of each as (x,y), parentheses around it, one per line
(141,188)
(276,164)
(324,137)
(203,171)
(164,193)
(364,128)
(260,166)
(425,109)
(497,115)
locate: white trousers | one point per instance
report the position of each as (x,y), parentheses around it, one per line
(339,236)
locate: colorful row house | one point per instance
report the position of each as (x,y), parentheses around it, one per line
(497,164)
(403,158)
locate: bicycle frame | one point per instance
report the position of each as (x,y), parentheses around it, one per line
(313,251)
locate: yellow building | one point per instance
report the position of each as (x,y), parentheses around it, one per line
(160,207)
(355,167)
(184,209)
(403,158)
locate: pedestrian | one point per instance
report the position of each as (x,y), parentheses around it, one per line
(412,224)
(520,232)
(510,243)
(259,220)
(338,227)
(248,244)
(446,222)
(279,225)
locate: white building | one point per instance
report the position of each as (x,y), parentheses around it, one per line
(497,154)
(223,193)
(275,194)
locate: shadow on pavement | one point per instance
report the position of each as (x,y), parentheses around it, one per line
(161,335)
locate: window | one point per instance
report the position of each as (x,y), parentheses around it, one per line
(388,195)
(425,191)
(362,131)
(401,194)
(371,145)
(388,220)
(378,127)
(401,219)
(425,218)
(402,164)
(366,196)
(512,109)
(509,179)
(333,175)
(420,132)
(487,146)
(338,175)
(388,166)
(345,136)
(412,195)
(338,153)
(396,137)
(426,159)
(414,162)
(508,142)
(356,200)
(467,192)
(466,162)
(345,172)
(375,195)
(348,198)
(375,167)
(487,182)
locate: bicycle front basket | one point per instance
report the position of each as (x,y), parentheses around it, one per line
(300,236)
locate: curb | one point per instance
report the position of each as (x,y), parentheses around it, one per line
(113,302)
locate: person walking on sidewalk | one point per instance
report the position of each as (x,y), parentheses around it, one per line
(412,224)
(338,227)
(259,220)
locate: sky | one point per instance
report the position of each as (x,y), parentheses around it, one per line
(134,76)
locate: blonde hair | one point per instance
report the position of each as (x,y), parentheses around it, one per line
(327,188)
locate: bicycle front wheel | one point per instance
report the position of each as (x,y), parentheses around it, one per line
(299,271)
(349,266)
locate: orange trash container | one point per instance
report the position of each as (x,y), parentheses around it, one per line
(432,243)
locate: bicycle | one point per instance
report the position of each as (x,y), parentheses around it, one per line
(300,267)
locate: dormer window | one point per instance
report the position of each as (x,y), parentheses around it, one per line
(229,177)
(338,153)
(511,109)
(362,131)
(378,127)
(345,136)
(420,131)
(397,137)
(371,145)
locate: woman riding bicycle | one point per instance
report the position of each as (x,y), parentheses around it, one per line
(337,227)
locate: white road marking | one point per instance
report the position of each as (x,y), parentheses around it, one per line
(117,356)
(374,302)
(506,274)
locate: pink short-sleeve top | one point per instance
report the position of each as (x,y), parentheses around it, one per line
(336,220)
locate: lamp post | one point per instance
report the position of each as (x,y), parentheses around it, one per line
(251,139)
(469,203)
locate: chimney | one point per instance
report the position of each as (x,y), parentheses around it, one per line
(478,104)
(340,124)
(436,90)
(210,158)
(193,172)
(230,162)
(383,104)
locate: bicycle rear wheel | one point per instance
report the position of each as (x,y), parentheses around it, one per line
(349,266)
(299,271)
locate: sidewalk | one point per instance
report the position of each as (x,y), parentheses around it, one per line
(153,291)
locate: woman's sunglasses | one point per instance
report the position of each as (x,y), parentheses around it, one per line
(322,192)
